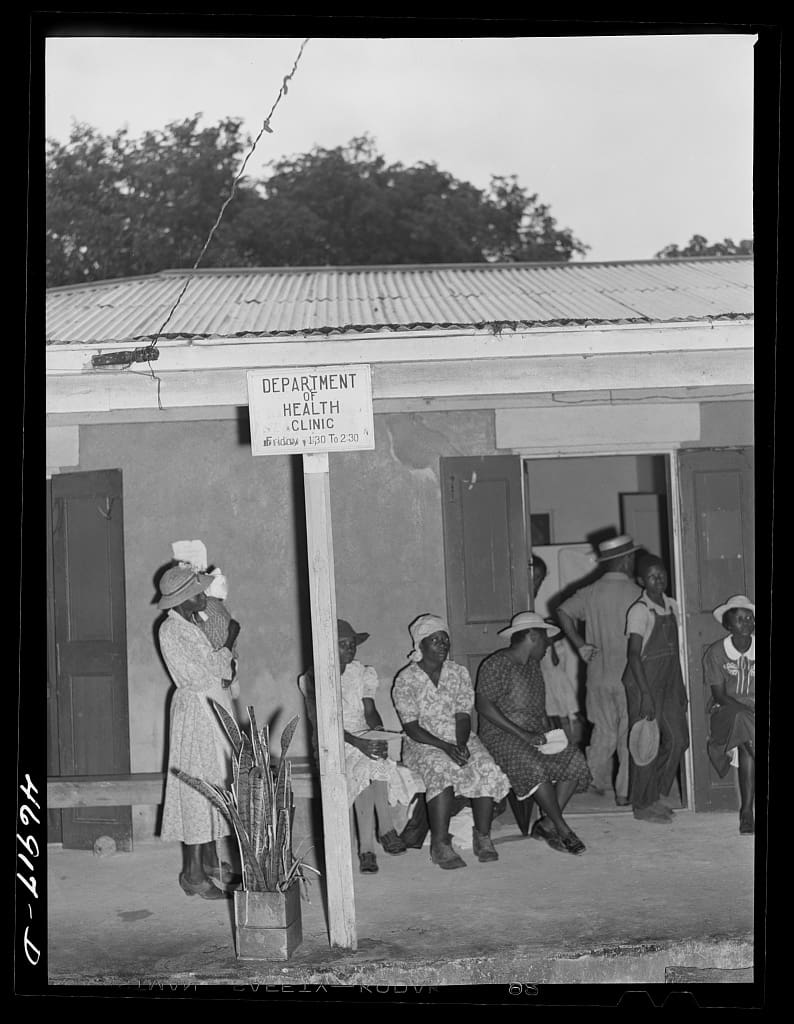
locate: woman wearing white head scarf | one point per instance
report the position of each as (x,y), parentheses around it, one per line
(434,698)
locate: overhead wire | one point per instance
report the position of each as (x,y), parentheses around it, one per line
(283,91)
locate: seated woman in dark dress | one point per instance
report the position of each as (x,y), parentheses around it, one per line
(729,672)
(511,703)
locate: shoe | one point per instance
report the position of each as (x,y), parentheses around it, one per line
(548,833)
(651,814)
(413,838)
(444,855)
(622,801)
(542,829)
(483,847)
(661,808)
(368,864)
(205,889)
(392,843)
(224,875)
(746,825)
(572,843)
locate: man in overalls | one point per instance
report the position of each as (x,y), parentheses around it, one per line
(655,690)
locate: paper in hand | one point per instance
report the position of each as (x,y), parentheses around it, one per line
(194,552)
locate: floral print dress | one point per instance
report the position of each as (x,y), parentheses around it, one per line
(197,743)
(417,699)
(359,681)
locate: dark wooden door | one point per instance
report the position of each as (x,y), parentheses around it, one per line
(91,645)
(485,552)
(717,505)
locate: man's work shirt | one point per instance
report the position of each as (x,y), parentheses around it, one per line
(603,606)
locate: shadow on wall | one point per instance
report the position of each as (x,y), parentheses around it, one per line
(595,538)
(301,560)
(158,621)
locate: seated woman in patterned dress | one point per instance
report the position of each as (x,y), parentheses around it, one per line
(511,703)
(375,782)
(729,672)
(434,698)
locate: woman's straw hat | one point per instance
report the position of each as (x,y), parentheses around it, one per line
(738,601)
(180,584)
(528,620)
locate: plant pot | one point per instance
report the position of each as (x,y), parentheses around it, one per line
(267,924)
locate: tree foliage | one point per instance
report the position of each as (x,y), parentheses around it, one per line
(699,246)
(120,207)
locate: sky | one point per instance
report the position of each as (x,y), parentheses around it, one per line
(634,142)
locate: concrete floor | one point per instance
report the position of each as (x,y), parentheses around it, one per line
(644,902)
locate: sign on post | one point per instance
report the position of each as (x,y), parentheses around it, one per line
(311,409)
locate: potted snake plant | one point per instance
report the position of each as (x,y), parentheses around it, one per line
(259,806)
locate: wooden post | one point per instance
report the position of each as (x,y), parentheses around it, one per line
(330,735)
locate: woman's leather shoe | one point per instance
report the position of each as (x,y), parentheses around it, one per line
(223,875)
(413,838)
(444,855)
(392,843)
(483,847)
(368,863)
(572,843)
(205,889)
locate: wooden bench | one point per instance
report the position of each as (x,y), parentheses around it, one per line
(142,788)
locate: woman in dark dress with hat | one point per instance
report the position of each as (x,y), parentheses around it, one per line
(511,704)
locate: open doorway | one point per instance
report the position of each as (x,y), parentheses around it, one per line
(571,505)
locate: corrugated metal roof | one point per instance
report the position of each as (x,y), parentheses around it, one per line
(253,302)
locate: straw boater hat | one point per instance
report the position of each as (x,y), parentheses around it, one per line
(644,741)
(739,601)
(180,584)
(528,620)
(344,631)
(616,547)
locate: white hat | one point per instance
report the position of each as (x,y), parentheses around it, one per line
(616,547)
(738,601)
(528,620)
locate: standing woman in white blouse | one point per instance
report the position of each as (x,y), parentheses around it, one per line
(729,670)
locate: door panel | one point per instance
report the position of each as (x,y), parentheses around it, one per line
(717,518)
(91,645)
(485,552)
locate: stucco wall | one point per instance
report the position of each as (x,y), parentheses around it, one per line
(199,480)
(388,533)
